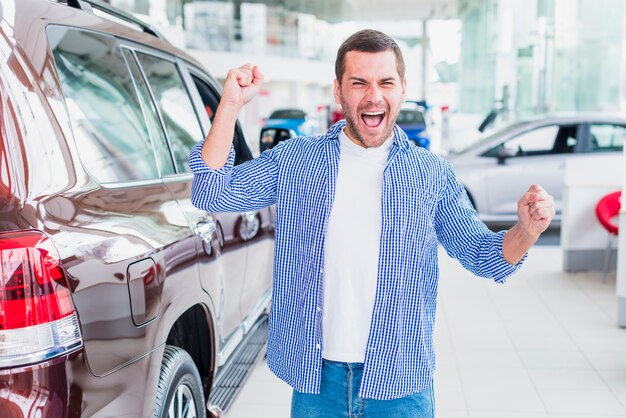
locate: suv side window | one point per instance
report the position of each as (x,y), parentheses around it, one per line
(112,136)
(161,147)
(210,101)
(174,104)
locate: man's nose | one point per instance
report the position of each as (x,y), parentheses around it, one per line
(374,94)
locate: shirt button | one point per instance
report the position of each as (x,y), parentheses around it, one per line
(319,309)
(318,346)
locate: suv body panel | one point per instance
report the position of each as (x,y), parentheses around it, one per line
(101,230)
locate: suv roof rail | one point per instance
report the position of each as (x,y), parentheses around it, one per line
(108,9)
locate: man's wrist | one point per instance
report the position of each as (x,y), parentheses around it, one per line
(523,234)
(516,242)
(229,107)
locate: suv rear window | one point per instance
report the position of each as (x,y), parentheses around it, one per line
(112,136)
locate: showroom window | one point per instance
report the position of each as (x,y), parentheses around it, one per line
(180,120)
(107,118)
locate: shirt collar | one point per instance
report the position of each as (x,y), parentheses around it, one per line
(399,136)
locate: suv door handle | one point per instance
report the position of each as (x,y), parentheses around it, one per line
(205,231)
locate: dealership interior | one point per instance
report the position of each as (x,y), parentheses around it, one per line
(512,92)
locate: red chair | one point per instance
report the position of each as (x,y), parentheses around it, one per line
(607,210)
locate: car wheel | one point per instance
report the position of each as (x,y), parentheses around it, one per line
(254,227)
(246,230)
(179,394)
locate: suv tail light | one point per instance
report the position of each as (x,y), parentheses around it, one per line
(37,317)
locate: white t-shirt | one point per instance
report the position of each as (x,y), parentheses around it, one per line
(352,249)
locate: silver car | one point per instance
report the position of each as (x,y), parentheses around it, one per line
(498,168)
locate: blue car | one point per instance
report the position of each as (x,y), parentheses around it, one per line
(412,120)
(292,119)
(284,124)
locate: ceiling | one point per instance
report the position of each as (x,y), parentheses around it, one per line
(399,9)
(359,10)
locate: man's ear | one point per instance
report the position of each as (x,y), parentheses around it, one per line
(337,91)
(404,87)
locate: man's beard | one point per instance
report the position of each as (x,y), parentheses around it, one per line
(354,132)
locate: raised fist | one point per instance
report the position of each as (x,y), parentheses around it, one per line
(241,85)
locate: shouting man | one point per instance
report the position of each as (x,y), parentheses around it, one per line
(359,212)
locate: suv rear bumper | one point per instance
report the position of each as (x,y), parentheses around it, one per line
(44,390)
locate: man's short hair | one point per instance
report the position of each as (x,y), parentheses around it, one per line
(368,40)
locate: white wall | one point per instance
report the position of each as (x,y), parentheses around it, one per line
(587,179)
(621,254)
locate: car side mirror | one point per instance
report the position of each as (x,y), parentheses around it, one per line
(504,153)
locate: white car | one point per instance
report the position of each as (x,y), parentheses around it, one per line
(498,168)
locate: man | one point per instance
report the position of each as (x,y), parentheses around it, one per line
(358,215)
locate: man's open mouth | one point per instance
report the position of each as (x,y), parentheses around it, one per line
(372,119)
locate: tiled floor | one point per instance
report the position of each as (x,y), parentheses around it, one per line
(543,345)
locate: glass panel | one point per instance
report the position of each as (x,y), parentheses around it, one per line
(107,119)
(588,52)
(536,141)
(181,123)
(607,138)
(164,158)
(210,100)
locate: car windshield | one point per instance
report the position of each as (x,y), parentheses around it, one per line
(288,114)
(484,139)
(410,116)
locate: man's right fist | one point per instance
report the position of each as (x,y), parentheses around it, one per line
(241,85)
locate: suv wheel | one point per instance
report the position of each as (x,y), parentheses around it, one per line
(179,394)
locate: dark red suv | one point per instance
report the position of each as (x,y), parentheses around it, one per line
(117,296)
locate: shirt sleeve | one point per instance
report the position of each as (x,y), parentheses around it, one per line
(249,186)
(465,237)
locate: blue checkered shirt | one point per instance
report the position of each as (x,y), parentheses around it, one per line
(422,203)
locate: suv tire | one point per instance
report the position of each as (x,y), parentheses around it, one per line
(179,394)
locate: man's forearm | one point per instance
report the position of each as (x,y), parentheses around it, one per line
(240,86)
(516,243)
(217,144)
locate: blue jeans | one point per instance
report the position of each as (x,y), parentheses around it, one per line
(339,398)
